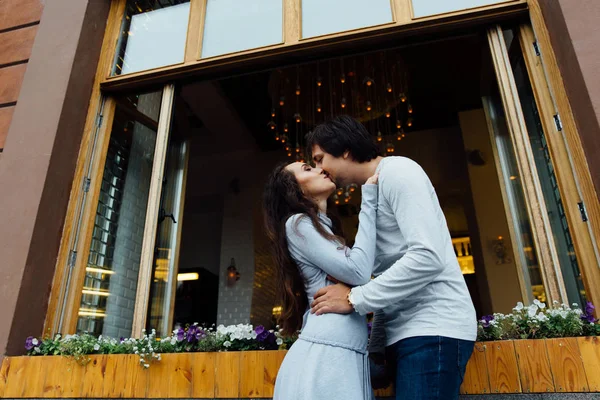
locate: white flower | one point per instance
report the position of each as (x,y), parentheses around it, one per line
(146,365)
(36,349)
(519,307)
(227,344)
(173,341)
(279,341)
(541,317)
(532,310)
(35,342)
(96,347)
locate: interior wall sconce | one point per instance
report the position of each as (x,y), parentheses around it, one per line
(499,247)
(233,275)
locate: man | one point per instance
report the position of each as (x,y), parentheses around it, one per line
(418,293)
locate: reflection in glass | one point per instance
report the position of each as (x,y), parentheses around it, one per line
(110,285)
(424,8)
(331,16)
(165,277)
(525,246)
(545,169)
(230,27)
(153,35)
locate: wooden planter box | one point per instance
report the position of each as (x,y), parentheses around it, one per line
(519,366)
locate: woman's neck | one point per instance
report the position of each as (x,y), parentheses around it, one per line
(322,205)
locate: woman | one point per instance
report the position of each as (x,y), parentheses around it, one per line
(329,359)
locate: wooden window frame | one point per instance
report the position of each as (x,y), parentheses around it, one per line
(404,24)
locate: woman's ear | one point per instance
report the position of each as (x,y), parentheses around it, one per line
(346,154)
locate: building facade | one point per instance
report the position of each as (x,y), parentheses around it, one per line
(136,135)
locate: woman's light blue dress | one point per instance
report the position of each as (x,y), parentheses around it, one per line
(329,359)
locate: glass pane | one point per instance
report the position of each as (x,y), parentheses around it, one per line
(165,278)
(424,8)
(230,27)
(153,35)
(556,213)
(109,290)
(525,246)
(330,16)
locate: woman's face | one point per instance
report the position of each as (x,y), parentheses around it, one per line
(315,183)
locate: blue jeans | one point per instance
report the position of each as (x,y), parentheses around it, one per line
(429,367)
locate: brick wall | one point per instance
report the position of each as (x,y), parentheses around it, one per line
(19,20)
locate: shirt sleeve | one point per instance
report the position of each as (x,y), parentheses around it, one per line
(352,266)
(411,196)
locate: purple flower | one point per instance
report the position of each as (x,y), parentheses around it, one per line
(259,330)
(122,339)
(486,320)
(29,343)
(180,334)
(200,334)
(191,333)
(588,316)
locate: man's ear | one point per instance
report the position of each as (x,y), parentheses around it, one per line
(346,154)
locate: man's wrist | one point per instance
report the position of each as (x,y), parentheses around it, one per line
(350,299)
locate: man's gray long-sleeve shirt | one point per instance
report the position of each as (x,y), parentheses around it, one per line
(418,288)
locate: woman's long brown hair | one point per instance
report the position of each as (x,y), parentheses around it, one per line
(283,198)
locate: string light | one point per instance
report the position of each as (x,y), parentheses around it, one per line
(319,82)
(343,78)
(298,90)
(410,109)
(388,114)
(272,113)
(409,122)
(379,136)
(282,101)
(398,124)
(319,107)
(343,103)
(369,105)
(389,88)
(403,97)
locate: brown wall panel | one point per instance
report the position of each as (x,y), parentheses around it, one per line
(19,12)
(10,82)
(5,117)
(16,45)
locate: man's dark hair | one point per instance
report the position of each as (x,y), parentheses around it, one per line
(342,134)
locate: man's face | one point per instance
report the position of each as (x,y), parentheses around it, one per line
(336,167)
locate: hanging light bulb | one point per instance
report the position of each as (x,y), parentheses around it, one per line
(352,188)
(282,101)
(272,125)
(403,135)
(389,87)
(399,136)
(388,114)
(336,199)
(287,148)
(277,137)
(284,138)
(289,153)
(409,122)
(298,118)
(319,109)
(343,103)
(347,198)
(398,124)
(285,127)
(369,81)
(403,97)
(339,191)
(390,148)
(298,90)
(379,136)
(369,105)
(319,82)
(343,78)
(272,113)
(410,109)
(297,148)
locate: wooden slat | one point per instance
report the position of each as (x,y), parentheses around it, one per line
(4,374)
(57,376)
(227,375)
(534,366)
(16,377)
(11,79)
(93,377)
(136,384)
(115,377)
(34,378)
(16,45)
(203,375)
(6,114)
(502,366)
(73,386)
(589,347)
(19,12)
(180,372)
(158,377)
(476,379)
(252,365)
(567,367)
(272,362)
